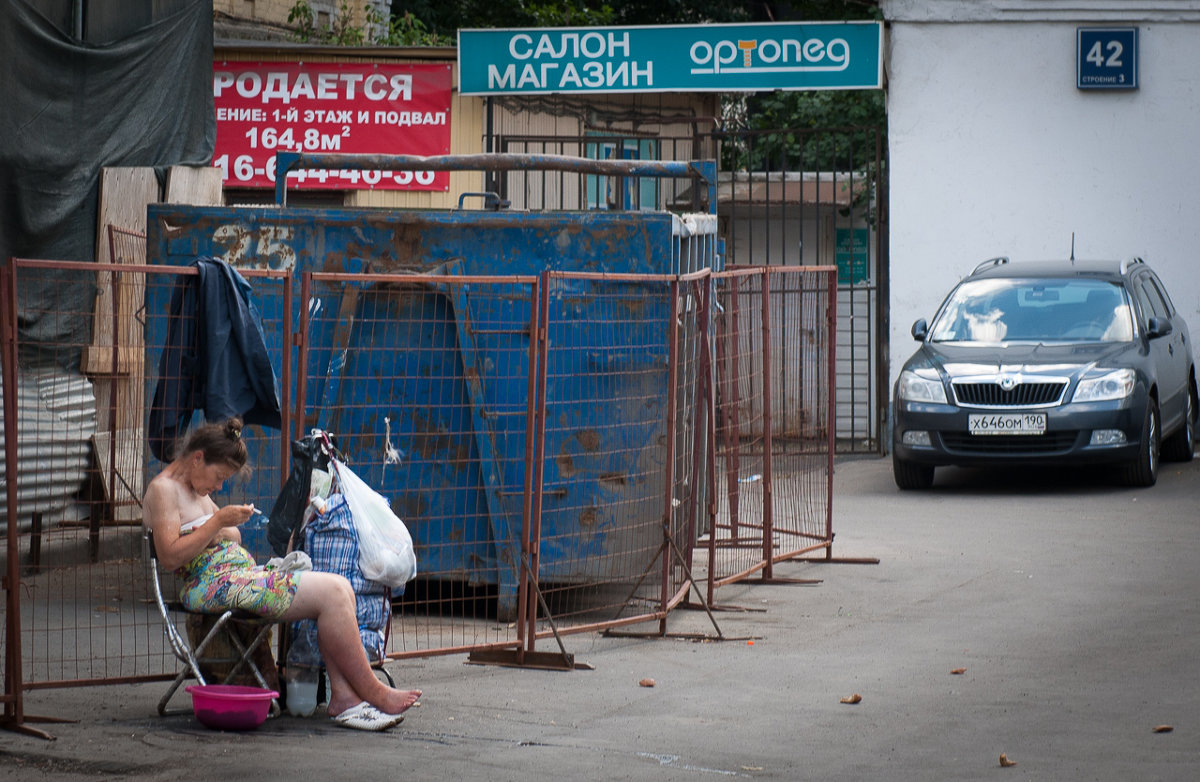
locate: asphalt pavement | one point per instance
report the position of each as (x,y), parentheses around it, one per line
(1048,616)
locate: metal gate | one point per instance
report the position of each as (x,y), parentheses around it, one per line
(803,197)
(822,206)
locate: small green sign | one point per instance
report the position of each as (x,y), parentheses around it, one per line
(851,254)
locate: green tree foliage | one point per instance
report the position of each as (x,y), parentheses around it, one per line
(777,130)
(445,17)
(766,130)
(746,116)
(340,32)
(774,130)
(402,29)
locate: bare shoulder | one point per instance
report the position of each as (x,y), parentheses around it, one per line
(160,501)
(160,488)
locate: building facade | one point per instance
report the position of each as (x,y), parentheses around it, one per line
(995,150)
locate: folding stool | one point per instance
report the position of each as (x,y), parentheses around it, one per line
(193,658)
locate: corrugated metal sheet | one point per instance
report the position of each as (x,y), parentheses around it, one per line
(56,418)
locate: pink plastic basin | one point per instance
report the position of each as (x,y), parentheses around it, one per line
(231,706)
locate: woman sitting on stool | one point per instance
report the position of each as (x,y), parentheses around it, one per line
(202,543)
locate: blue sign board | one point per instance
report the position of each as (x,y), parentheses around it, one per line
(1107,58)
(675,58)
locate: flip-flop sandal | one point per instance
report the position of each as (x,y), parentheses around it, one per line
(364,716)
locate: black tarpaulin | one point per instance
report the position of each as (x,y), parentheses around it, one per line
(71,108)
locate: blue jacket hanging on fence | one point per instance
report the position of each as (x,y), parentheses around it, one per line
(215,358)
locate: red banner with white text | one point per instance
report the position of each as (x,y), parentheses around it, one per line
(381,109)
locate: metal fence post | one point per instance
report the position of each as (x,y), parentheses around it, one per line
(14,686)
(13,716)
(301,340)
(285,382)
(831,433)
(533,539)
(672,416)
(712,361)
(768,542)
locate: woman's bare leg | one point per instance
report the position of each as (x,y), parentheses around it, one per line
(329,599)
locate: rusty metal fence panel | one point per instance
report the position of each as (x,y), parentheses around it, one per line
(442,391)
(557,445)
(617,408)
(772,457)
(424,381)
(81,613)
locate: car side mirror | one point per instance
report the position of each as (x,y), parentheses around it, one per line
(1158,327)
(920,330)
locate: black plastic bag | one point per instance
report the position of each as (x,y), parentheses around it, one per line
(287,514)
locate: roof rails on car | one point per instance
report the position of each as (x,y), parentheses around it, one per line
(1125,264)
(990,262)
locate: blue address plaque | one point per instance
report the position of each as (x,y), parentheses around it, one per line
(1107,58)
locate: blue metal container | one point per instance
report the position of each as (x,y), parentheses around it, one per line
(462,438)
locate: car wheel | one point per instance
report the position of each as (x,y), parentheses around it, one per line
(911,475)
(1143,470)
(1179,446)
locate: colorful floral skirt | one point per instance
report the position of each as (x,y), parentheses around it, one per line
(224,576)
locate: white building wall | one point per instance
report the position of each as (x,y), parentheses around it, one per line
(994,151)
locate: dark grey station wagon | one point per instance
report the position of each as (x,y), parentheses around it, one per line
(1053,362)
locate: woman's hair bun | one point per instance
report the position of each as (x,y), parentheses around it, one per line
(233,427)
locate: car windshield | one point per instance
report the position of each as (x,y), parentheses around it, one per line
(998,310)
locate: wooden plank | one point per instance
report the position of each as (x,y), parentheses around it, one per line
(122,476)
(121,389)
(199,185)
(121,399)
(124,195)
(98,359)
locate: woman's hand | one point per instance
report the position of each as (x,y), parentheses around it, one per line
(233,515)
(230,517)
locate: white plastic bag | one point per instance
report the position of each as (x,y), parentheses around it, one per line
(385,549)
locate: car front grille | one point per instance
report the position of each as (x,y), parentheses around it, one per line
(990,394)
(1001,444)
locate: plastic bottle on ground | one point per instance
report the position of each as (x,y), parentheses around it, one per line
(303,672)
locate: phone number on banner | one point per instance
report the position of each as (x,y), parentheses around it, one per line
(245,169)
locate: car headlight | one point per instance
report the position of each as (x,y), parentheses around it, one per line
(921,386)
(1110,386)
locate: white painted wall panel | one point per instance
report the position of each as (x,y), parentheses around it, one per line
(993,150)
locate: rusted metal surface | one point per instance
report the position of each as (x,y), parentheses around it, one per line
(773,456)
(359,329)
(547,436)
(704,171)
